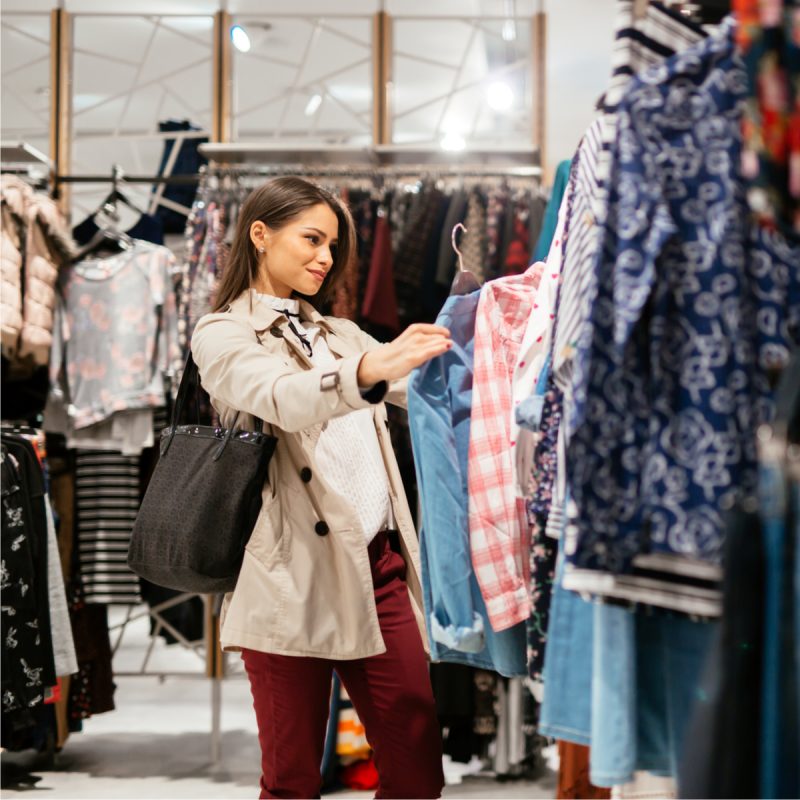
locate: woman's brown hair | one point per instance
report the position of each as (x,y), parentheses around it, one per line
(276,203)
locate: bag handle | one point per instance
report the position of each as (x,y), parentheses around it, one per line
(190,384)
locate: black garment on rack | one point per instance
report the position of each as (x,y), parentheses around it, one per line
(409,261)
(453,690)
(91,691)
(28,666)
(724,734)
(24,395)
(188,162)
(432,296)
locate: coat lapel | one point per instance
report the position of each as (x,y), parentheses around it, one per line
(265,319)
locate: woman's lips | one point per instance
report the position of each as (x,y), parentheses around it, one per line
(318,274)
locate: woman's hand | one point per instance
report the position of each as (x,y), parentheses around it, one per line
(417,344)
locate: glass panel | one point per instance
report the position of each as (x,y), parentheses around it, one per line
(129,74)
(473,85)
(25,98)
(306,79)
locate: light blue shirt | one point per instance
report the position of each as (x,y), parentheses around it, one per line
(439,405)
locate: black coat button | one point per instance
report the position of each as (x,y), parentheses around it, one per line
(321,528)
(305,474)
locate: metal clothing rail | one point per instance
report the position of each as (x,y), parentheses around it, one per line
(178,180)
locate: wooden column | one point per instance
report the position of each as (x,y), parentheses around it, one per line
(61,103)
(222,89)
(381,78)
(222,79)
(539,84)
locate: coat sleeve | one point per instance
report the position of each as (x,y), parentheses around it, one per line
(397,392)
(238,371)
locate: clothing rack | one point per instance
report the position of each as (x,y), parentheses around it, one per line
(176,180)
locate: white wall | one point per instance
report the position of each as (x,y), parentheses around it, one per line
(578,50)
(580,37)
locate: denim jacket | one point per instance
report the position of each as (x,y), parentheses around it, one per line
(439,403)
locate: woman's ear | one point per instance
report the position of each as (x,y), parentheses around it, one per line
(258,236)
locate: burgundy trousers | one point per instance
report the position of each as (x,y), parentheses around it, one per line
(391,693)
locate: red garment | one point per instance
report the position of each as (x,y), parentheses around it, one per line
(391,693)
(361,776)
(573,774)
(519,249)
(380,298)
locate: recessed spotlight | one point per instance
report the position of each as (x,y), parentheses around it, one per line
(240,39)
(453,141)
(314,102)
(509,31)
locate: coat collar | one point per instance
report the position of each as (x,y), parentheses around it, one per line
(262,316)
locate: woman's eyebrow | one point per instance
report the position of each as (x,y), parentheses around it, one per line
(317,230)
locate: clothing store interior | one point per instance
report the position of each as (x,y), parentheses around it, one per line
(600,199)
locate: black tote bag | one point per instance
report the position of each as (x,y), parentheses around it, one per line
(201,503)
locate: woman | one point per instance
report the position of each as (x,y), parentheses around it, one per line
(330,578)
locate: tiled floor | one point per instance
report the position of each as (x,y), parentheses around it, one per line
(156,744)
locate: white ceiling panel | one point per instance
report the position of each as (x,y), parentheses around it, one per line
(23,40)
(113,38)
(170,54)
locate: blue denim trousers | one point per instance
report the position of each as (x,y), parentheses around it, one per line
(567,705)
(646,677)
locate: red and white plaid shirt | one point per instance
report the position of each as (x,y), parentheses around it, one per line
(498,527)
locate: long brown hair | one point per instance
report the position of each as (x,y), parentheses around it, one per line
(276,203)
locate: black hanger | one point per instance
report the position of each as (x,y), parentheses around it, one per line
(703,12)
(107,236)
(109,204)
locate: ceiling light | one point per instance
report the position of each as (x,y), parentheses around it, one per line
(314,102)
(240,39)
(509,31)
(453,141)
(499,96)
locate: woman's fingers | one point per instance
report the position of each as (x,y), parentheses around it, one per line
(430,350)
(428,329)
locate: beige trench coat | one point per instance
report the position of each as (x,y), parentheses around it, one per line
(305,588)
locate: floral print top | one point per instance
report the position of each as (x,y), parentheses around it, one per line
(768,35)
(115,336)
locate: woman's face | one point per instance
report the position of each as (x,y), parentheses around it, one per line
(298,256)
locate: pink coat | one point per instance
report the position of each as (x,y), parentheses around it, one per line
(35,243)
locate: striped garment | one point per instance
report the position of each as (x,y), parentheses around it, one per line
(638,45)
(107,499)
(108,486)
